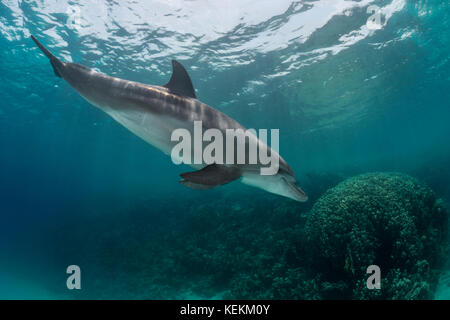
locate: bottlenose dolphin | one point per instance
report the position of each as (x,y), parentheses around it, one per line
(154,112)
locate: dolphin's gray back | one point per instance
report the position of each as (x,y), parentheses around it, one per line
(115,94)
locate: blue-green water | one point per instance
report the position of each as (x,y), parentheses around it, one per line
(77,188)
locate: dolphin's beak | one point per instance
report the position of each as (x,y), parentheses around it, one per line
(294,192)
(280,186)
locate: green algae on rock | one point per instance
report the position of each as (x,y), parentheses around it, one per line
(385,219)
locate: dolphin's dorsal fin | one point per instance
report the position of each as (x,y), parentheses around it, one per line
(180,83)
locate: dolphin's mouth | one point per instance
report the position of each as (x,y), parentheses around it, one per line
(297,193)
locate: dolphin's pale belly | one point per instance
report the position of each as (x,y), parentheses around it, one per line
(151,128)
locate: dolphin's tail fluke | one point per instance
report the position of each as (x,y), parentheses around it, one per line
(54,61)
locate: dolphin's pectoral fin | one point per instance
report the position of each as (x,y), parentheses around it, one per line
(180,83)
(210,176)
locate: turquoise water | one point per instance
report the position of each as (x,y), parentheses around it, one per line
(348,96)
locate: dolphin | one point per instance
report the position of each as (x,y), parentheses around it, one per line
(153,112)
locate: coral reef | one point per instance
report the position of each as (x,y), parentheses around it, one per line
(264,246)
(387,219)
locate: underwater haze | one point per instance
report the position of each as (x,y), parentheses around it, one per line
(360,93)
